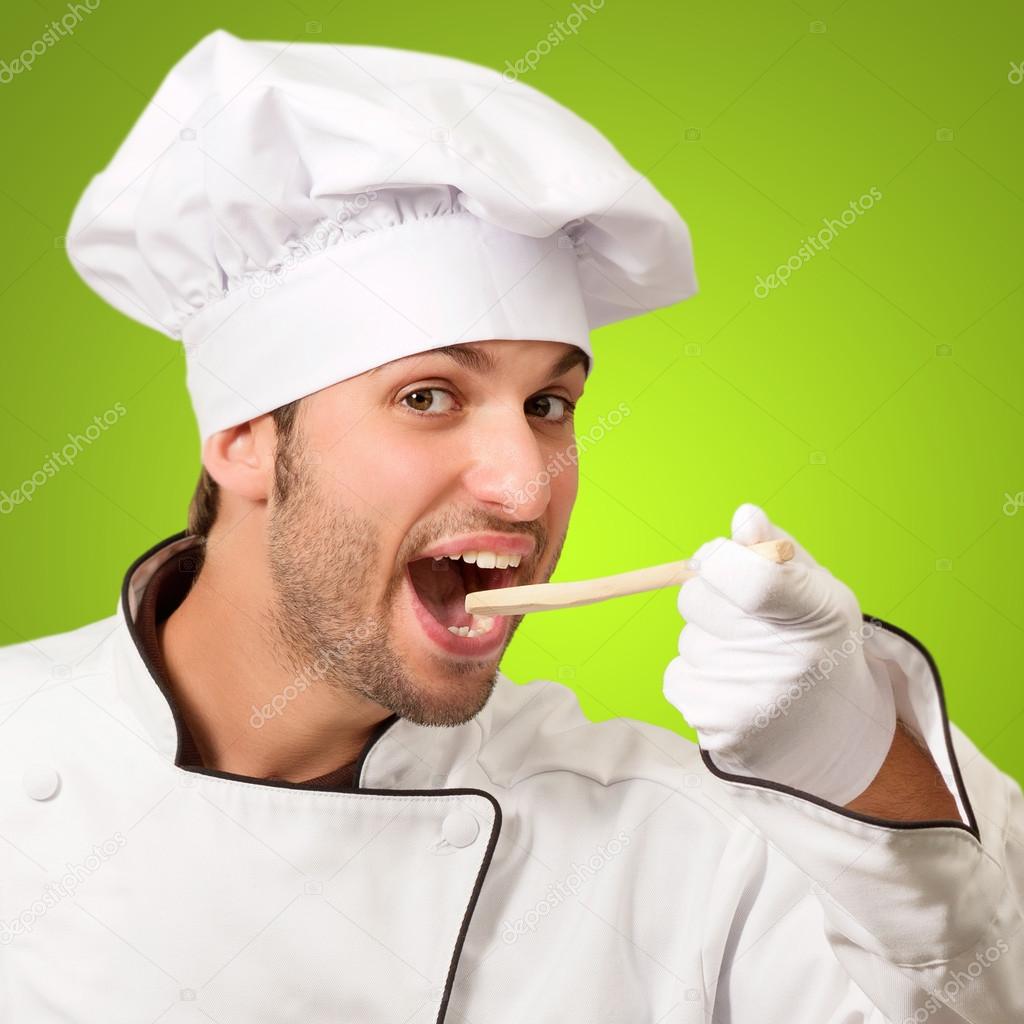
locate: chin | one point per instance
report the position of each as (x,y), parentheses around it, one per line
(446,692)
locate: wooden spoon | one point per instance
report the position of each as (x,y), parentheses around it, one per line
(541,597)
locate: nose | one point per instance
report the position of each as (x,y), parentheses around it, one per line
(507,470)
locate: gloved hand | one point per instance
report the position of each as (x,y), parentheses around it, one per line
(772,672)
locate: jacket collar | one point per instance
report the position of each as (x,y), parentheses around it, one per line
(398,755)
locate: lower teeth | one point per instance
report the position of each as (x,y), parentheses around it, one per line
(481,624)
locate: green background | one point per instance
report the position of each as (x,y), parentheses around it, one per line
(873,406)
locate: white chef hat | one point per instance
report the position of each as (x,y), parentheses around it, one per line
(299,213)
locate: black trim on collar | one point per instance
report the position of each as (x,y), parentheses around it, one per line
(492,843)
(379,730)
(485,864)
(869,819)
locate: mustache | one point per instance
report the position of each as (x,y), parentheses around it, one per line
(453,525)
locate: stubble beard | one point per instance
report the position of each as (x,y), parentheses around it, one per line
(322,558)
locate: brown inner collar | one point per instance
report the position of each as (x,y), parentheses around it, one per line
(164,592)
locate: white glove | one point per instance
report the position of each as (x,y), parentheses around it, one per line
(772,671)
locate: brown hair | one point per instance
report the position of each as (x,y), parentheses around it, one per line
(202,510)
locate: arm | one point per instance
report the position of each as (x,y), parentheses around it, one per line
(908,787)
(925,916)
(834,744)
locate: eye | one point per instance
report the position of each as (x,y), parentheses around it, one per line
(553,408)
(429,401)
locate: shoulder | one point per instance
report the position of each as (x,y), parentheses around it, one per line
(33,666)
(540,751)
(539,726)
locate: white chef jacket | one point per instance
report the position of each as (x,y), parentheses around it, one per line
(527,866)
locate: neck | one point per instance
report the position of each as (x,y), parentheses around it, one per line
(250,709)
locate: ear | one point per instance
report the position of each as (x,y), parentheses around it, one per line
(241,458)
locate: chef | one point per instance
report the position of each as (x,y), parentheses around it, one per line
(287,781)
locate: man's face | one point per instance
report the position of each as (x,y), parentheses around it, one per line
(465,451)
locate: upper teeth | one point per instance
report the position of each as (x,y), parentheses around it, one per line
(485,559)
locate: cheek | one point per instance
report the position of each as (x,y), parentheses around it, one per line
(355,462)
(564,486)
(386,478)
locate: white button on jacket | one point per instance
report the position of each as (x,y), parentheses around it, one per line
(460,828)
(560,870)
(41,781)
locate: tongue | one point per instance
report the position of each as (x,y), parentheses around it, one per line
(441,589)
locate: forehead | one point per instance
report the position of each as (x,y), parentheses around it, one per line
(489,356)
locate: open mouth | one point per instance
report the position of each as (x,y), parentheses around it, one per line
(442,582)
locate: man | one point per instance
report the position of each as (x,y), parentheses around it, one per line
(287,780)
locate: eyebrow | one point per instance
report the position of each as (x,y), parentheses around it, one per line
(481,361)
(571,358)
